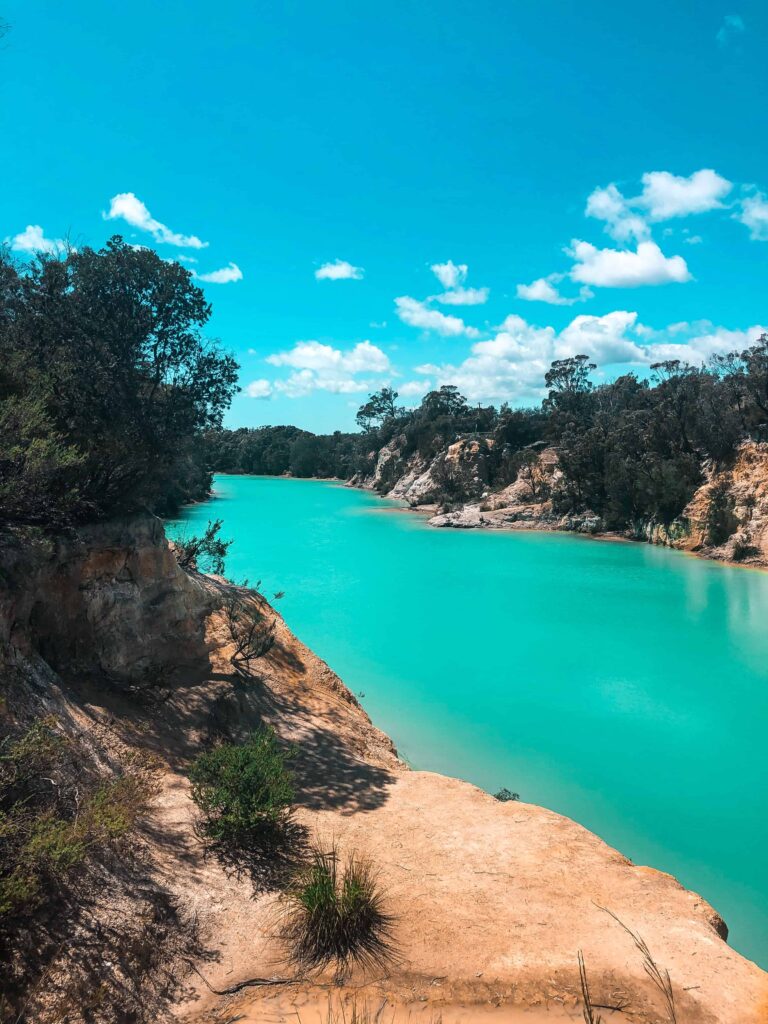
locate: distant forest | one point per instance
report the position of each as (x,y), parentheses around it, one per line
(630,450)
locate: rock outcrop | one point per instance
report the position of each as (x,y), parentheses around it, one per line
(107,600)
(727,518)
(458,474)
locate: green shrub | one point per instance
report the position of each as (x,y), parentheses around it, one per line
(50,821)
(504,795)
(207,552)
(335,914)
(242,788)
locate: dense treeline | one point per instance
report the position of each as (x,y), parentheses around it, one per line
(106,384)
(274,451)
(630,450)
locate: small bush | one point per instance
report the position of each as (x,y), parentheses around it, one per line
(208,551)
(249,630)
(335,914)
(504,795)
(242,788)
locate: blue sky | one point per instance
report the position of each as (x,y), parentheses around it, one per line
(599,169)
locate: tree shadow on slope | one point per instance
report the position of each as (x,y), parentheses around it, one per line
(268,859)
(329,774)
(116,948)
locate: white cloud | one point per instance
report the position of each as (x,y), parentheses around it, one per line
(313,355)
(544,289)
(418,314)
(225,275)
(128,207)
(450,275)
(699,347)
(754,215)
(733,25)
(668,195)
(32,240)
(259,389)
(511,366)
(414,388)
(693,240)
(463,297)
(181,258)
(339,270)
(614,268)
(609,205)
(322,367)
(604,338)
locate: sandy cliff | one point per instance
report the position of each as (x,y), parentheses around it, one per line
(492,900)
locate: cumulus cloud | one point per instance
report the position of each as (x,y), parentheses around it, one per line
(32,239)
(621,222)
(732,26)
(128,207)
(339,270)
(664,196)
(225,275)
(622,268)
(544,289)
(605,338)
(414,388)
(668,195)
(512,365)
(450,275)
(700,342)
(259,389)
(419,314)
(464,297)
(317,366)
(753,213)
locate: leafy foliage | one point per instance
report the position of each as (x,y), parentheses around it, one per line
(58,817)
(335,914)
(243,788)
(105,382)
(208,552)
(504,795)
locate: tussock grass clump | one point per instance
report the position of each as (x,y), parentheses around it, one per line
(334,914)
(243,789)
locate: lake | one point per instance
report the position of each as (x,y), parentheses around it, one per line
(620,684)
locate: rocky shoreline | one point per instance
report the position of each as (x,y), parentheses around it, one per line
(726,520)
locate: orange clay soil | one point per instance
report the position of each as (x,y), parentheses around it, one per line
(492,900)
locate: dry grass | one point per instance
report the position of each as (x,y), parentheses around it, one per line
(658,976)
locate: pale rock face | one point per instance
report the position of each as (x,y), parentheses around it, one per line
(728,515)
(461,472)
(107,600)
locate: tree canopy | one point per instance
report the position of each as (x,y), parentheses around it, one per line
(106,381)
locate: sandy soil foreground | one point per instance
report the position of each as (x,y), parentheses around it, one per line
(492,900)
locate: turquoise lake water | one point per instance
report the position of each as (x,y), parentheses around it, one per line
(620,684)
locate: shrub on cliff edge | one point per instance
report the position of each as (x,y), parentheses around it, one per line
(243,789)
